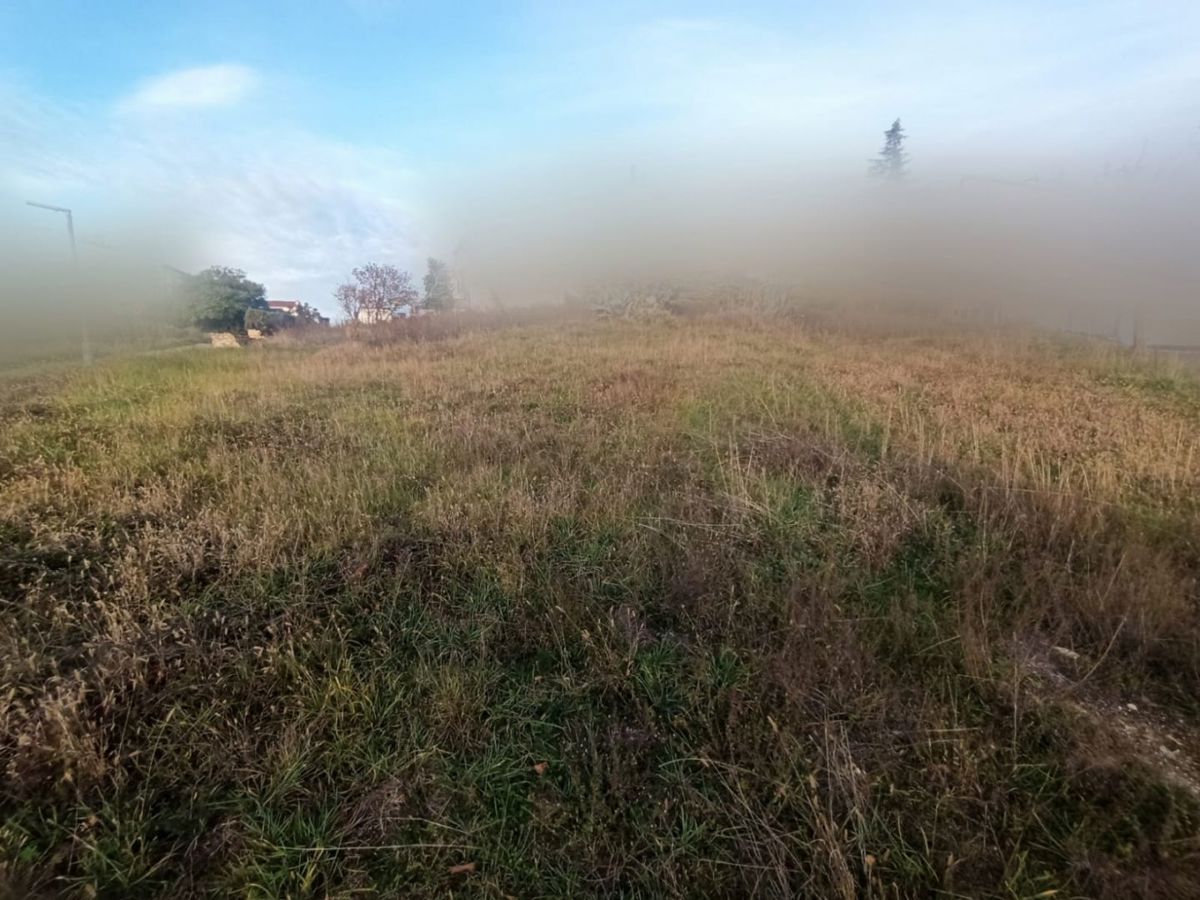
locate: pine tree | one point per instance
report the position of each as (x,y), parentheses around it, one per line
(892,162)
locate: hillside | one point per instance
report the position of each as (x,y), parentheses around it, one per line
(687,608)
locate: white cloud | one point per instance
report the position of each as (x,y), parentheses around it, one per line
(202,86)
(294,209)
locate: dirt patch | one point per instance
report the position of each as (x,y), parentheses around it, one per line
(1159,739)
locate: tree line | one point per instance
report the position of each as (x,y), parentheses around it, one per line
(377,292)
(222,298)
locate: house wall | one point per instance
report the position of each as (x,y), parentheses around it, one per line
(372,316)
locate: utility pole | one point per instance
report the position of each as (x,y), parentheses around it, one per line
(86,342)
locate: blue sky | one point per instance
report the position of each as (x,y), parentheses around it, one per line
(299,139)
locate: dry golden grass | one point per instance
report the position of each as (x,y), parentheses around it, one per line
(685,608)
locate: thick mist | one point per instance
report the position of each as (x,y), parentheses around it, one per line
(1085,254)
(1091,253)
(65,299)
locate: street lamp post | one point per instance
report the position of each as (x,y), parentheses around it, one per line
(87,344)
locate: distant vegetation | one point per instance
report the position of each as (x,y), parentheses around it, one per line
(273,321)
(892,162)
(379,292)
(376,292)
(707,604)
(439,286)
(219,298)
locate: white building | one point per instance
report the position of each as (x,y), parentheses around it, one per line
(289,307)
(370,315)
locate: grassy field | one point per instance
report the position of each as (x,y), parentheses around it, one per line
(687,608)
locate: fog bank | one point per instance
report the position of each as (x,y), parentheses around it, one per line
(1082,253)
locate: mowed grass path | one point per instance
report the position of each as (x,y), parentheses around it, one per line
(702,608)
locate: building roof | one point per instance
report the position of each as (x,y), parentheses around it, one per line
(282,304)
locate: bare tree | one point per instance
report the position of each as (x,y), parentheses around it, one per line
(377,293)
